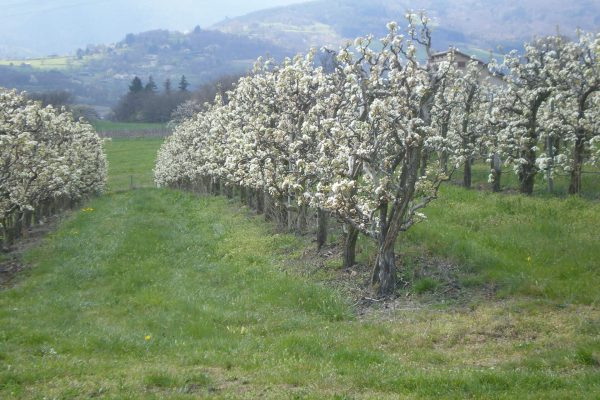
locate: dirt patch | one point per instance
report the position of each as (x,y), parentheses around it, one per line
(11,262)
(423,281)
(8,270)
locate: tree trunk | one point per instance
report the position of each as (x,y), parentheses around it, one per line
(243,196)
(289,214)
(27,218)
(37,215)
(321,228)
(268,207)
(444,155)
(284,216)
(528,171)
(467,174)
(217,187)
(384,273)
(496,168)
(260,201)
(6,236)
(550,167)
(301,220)
(578,156)
(424,161)
(527,179)
(18,225)
(350,247)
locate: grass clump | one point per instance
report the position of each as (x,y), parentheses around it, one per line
(425,285)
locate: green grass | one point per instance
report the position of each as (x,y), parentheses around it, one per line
(546,248)
(47,63)
(131,160)
(161,294)
(110,126)
(510,182)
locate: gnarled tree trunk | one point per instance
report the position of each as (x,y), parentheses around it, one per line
(528,172)
(321,228)
(467,174)
(260,201)
(384,274)
(350,247)
(496,168)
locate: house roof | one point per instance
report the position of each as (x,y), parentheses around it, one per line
(443,54)
(456,51)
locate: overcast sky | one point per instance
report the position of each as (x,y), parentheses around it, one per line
(58,26)
(206,12)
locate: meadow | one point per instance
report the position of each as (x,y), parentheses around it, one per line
(131,130)
(58,63)
(157,293)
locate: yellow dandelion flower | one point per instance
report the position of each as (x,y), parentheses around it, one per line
(147,338)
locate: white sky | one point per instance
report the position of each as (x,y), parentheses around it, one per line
(206,12)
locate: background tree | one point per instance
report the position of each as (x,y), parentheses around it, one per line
(575,111)
(151,85)
(183,84)
(530,84)
(136,85)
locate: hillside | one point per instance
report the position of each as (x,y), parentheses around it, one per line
(475,25)
(38,28)
(100,74)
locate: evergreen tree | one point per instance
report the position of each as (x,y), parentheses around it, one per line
(136,85)
(151,85)
(183,84)
(168,86)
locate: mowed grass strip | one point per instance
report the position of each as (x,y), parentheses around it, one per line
(131,161)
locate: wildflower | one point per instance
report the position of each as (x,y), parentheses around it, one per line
(147,338)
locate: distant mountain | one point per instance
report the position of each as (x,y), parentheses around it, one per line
(474,25)
(100,74)
(38,28)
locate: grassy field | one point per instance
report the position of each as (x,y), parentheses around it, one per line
(526,246)
(122,130)
(510,182)
(131,162)
(110,126)
(47,63)
(160,294)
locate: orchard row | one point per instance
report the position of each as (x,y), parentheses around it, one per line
(369,135)
(49,162)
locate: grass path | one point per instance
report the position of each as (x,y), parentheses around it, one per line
(131,160)
(160,294)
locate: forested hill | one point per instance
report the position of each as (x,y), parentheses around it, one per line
(475,25)
(100,74)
